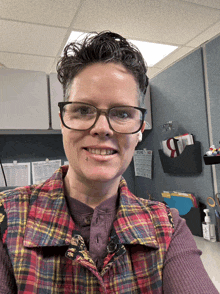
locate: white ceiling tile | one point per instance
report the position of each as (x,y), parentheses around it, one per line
(169,22)
(26,62)
(205,36)
(29,38)
(208,3)
(56,12)
(187,23)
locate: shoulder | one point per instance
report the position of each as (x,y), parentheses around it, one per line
(8,196)
(13,203)
(159,212)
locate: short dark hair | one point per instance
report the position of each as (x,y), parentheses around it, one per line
(101,47)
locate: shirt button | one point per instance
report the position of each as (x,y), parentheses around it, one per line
(112,247)
(87,220)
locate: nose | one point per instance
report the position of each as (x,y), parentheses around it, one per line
(102,127)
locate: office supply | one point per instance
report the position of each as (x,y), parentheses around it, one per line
(17,174)
(188,162)
(211,201)
(3,174)
(212,156)
(143,163)
(208,228)
(217,217)
(42,170)
(173,147)
(181,201)
(217,199)
(188,209)
(217,213)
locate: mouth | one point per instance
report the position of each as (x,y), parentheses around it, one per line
(102,151)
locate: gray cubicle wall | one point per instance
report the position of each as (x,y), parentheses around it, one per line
(178,94)
(212,50)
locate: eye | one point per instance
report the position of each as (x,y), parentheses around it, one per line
(80,110)
(121,113)
(84,110)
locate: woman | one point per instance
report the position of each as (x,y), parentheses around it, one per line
(82,231)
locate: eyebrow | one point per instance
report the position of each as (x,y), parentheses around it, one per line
(116,104)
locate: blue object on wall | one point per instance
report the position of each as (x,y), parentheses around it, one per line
(182,204)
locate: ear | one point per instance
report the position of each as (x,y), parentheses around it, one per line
(143,127)
(139,137)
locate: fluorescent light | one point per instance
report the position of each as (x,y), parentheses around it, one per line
(75,35)
(152,52)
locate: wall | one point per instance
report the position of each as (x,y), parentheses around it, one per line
(178,94)
(212,50)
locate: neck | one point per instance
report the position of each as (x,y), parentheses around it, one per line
(91,193)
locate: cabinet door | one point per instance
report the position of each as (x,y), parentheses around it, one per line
(56,95)
(23,100)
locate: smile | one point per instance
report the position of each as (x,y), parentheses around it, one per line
(101,151)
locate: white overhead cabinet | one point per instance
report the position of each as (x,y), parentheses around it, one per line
(23,100)
(56,95)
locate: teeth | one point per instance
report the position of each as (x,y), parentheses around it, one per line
(101,151)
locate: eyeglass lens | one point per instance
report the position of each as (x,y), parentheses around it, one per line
(123,119)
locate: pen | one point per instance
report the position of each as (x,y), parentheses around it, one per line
(217,213)
(217,199)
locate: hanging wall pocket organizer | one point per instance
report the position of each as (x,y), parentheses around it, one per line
(179,154)
(212,156)
(209,160)
(188,162)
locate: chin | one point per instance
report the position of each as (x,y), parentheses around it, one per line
(101,178)
(103,175)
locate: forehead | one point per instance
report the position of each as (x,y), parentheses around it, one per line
(108,81)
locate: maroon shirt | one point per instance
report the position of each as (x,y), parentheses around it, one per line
(94,225)
(7,280)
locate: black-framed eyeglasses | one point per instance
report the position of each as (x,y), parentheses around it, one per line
(81,116)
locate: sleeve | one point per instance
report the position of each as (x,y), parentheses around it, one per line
(183,271)
(7,284)
(7,279)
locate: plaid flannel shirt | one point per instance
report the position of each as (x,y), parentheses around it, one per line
(49,255)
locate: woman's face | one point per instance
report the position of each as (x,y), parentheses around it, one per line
(104,86)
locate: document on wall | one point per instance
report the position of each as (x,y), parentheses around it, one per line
(43,170)
(143,163)
(16,174)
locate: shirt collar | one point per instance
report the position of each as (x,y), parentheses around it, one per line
(133,224)
(49,222)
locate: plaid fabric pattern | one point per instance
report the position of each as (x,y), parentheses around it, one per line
(49,255)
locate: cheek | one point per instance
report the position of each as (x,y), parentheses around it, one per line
(70,141)
(129,145)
